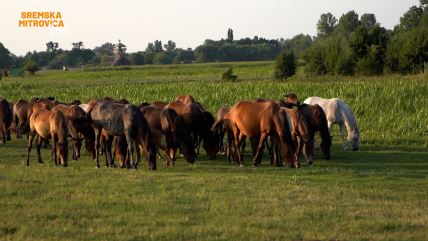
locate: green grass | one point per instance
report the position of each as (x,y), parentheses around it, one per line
(379,193)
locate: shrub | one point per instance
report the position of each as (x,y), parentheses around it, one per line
(31,66)
(228,75)
(285,65)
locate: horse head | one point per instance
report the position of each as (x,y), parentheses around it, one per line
(354,139)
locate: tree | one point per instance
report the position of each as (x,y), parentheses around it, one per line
(169,46)
(285,65)
(326,24)
(368,20)
(411,18)
(230,35)
(77,45)
(158,46)
(104,49)
(5,57)
(348,23)
(31,66)
(137,58)
(51,46)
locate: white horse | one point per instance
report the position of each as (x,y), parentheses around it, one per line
(338,112)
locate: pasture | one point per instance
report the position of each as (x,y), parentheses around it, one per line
(379,193)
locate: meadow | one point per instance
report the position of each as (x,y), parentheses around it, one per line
(379,193)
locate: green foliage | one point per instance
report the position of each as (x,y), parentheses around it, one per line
(372,63)
(285,65)
(326,24)
(137,58)
(162,58)
(31,66)
(5,57)
(228,75)
(348,23)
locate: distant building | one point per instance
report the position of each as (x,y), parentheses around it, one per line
(119,54)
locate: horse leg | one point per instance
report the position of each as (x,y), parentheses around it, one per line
(30,145)
(55,151)
(259,149)
(237,145)
(342,134)
(131,142)
(39,143)
(97,146)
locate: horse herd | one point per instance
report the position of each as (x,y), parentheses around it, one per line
(117,129)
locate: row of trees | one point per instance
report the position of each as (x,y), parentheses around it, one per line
(345,46)
(359,45)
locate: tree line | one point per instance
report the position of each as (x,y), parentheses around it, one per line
(349,45)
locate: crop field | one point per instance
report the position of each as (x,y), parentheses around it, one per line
(379,193)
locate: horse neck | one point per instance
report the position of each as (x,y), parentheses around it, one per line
(349,120)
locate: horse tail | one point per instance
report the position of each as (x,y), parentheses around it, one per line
(60,126)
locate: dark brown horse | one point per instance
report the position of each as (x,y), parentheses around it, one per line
(317,122)
(153,116)
(257,121)
(22,110)
(49,124)
(5,120)
(223,127)
(126,121)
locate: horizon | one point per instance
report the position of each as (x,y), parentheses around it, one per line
(135,29)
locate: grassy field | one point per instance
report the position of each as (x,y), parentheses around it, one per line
(380,193)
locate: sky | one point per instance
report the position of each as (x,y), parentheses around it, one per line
(186,22)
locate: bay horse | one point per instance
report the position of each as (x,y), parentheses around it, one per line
(259,120)
(224,127)
(338,112)
(21,111)
(300,134)
(186,99)
(198,123)
(152,114)
(127,121)
(5,120)
(77,120)
(49,124)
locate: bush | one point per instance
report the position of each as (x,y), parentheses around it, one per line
(228,75)
(31,66)
(285,65)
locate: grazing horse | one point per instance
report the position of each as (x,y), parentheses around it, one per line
(290,100)
(338,112)
(257,121)
(76,120)
(5,120)
(198,122)
(300,134)
(223,126)
(153,117)
(126,121)
(49,124)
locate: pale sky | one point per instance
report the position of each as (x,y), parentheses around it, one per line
(187,22)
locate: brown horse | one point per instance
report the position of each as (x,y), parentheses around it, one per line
(153,116)
(300,134)
(257,121)
(5,120)
(317,121)
(223,127)
(126,121)
(290,100)
(198,123)
(77,120)
(186,99)
(49,124)
(22,110)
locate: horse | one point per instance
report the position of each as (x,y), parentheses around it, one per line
(49,124)
(122,120)
(222,127)
(198,122)
(186,99)
(5,120)
(300,134)
(257,121)
(338,112)
(76,120)
(22,110)
(153,116)
(291,100)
